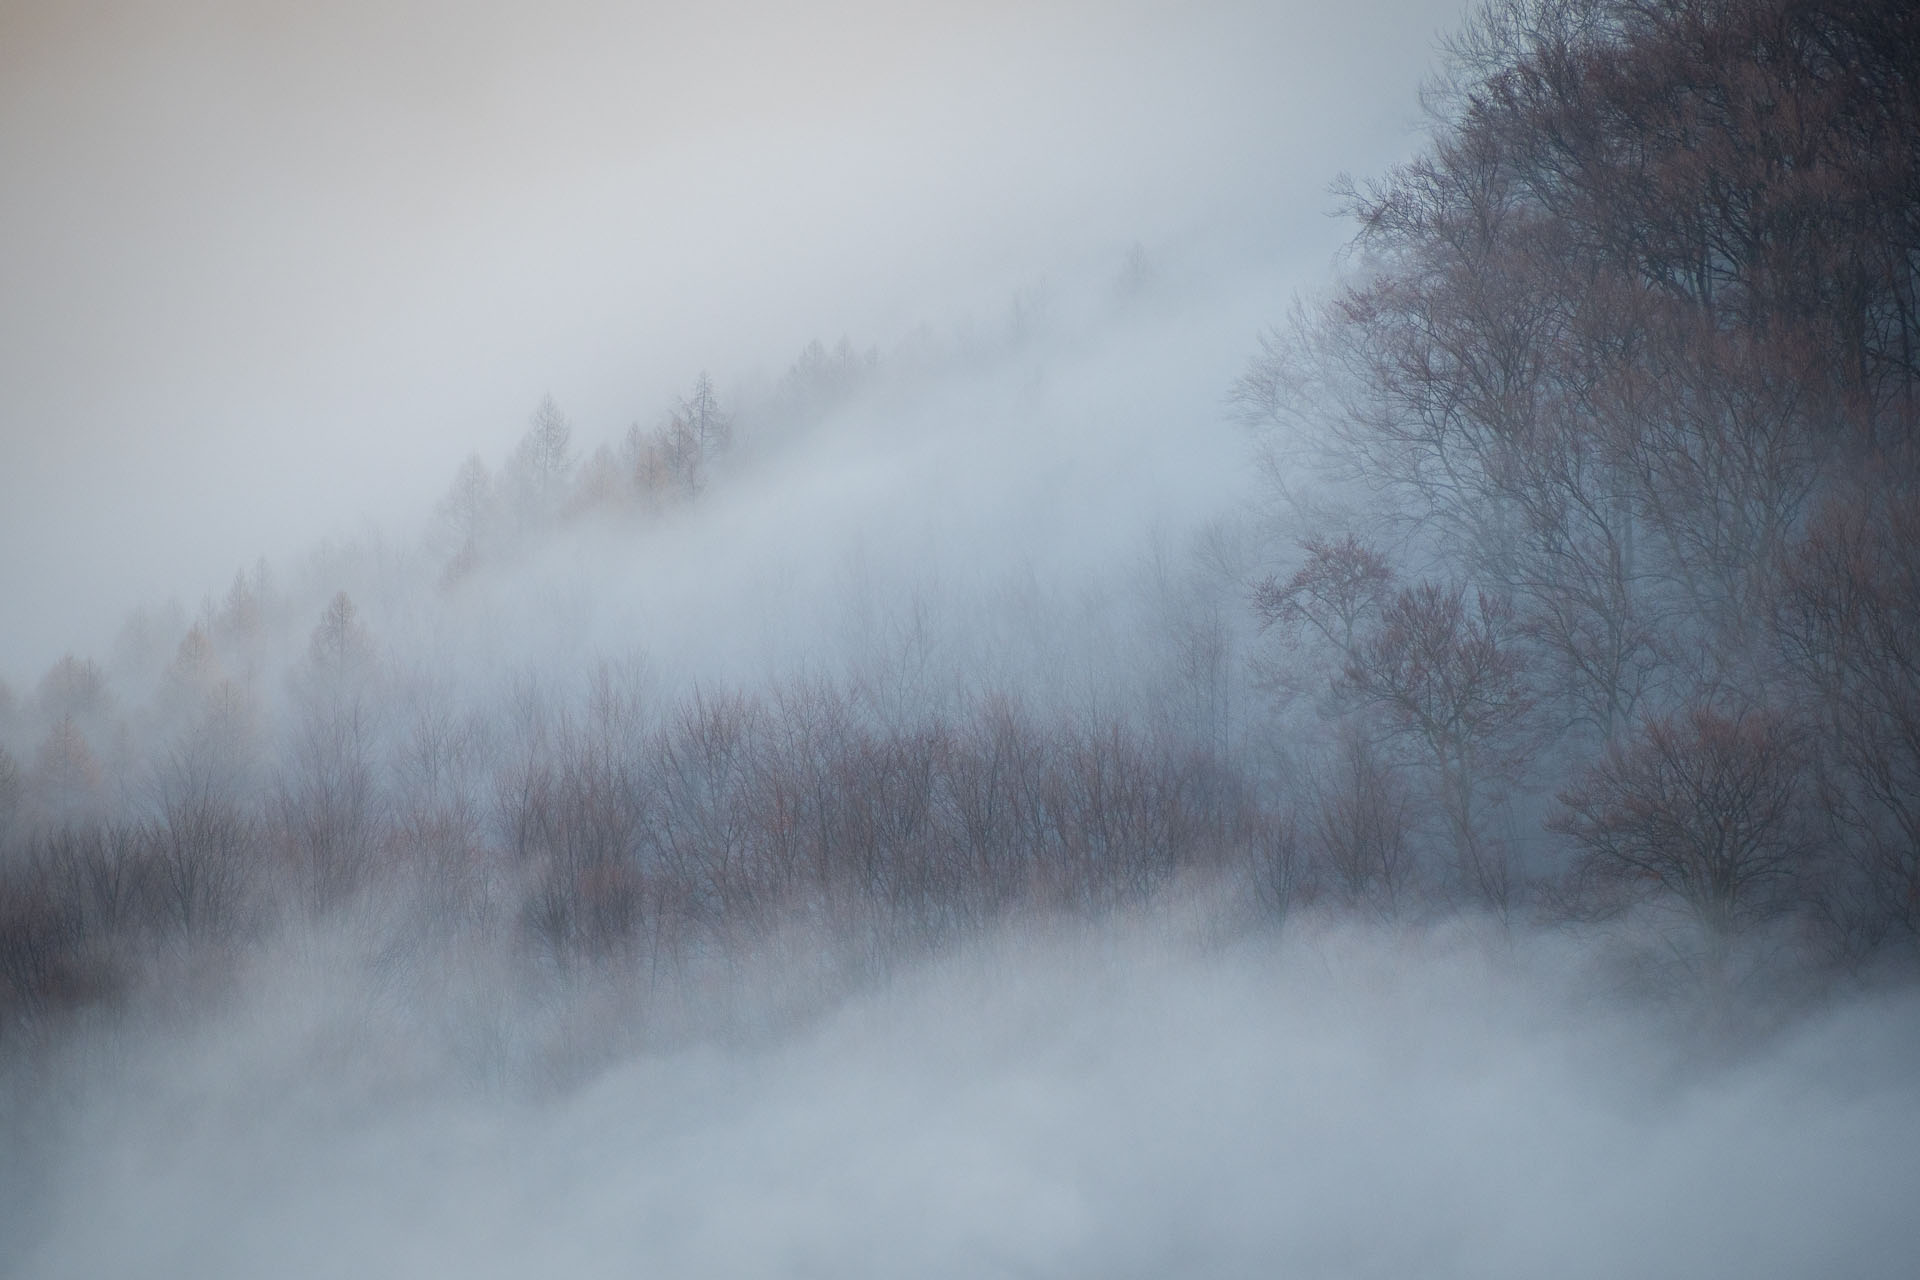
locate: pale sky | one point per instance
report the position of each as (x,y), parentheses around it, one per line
(269,270)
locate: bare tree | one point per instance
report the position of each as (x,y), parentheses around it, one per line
(677,457)
(543,462)
(74,688)
(1341,587)
(203,834)
(67,778)
(1451,678)
(1847,616)
(10,793)
(1360,816)
(330,807)
(1705,808)
(339,642)
(1322,612)
(465,515)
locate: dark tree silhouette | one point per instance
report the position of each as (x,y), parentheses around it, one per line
(1704,807)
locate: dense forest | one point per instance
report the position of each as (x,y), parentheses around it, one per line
(1581,601)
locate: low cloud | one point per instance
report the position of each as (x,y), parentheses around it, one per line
(1115,1100)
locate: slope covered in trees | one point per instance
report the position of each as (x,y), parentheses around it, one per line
(1581,616)
(1605,596)
(1556,699)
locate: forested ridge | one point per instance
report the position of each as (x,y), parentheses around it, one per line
(1586,592)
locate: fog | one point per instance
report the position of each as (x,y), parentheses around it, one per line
(1148,1099)
(850,639)
(271,272)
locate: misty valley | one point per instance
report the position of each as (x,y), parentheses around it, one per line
(1083,787)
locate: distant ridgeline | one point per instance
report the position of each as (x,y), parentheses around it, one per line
(543,482)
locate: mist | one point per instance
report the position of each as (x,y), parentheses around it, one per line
(1132,1101)
(841,640)
(271,273)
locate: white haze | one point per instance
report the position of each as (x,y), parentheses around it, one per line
(268,272)
(1132,1101)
